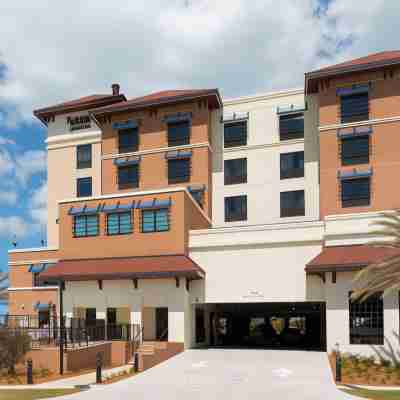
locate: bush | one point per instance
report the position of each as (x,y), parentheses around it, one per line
(14,344)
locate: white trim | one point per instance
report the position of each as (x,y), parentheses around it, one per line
(159,150)
(361,123)
(21,289)
(262,96)
(349,217)
(33,261)
(264,146)
(72,137)
(33,249)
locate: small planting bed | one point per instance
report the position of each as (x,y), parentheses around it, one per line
(34,394)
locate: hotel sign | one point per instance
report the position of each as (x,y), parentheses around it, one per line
(78,123)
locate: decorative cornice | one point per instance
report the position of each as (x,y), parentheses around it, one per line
(37,288)
(32,261)
(71,139)
(376,121)
(264,146)
(262,96)
(33,249)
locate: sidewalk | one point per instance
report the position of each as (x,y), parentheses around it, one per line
(71,383)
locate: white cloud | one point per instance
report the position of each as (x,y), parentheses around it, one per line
(6,163)
(6,141)
(8,197)
(28,164)
(13,226)
(39,205)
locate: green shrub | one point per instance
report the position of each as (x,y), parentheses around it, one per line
(14,344)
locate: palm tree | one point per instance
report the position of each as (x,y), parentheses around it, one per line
(3,287)
(383,276)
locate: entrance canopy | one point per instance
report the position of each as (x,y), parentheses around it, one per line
(349,258)
(124,268)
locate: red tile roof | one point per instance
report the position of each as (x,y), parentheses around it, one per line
(165,96)
(123,268)
(342,258)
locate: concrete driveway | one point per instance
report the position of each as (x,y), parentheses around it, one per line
(228,374)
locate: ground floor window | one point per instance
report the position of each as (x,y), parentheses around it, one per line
(366,321)
(200,326)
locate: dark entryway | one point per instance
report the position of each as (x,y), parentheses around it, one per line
(269,325)
(162,323)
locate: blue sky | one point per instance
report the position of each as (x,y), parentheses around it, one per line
(80,48)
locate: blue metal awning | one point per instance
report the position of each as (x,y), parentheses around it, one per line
(356,131)
(290,108)
(353,89)
(155,203)
(230,116)
(178,117)
(118,207)
(37,268)
(196,188)
(342,175)
(42,306)
(125,124)
(123,161)
(176,154)
(85,210)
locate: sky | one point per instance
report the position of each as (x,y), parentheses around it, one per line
(53,51)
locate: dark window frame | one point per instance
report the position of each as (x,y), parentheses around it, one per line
(80,181)
(179,175)
(235,179)
(179,139)
(355,201)
(291,211)
(119,214)
(133,145)
(240,215)
(129,184)
(295,172)
(351,156)
(352,108)
(289,126)
(366,321)
(86,234)
(83,150)
(239,140)
(156,223)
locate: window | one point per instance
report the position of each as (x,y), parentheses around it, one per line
(86,225)
(235,208)
(90,317)
(291,126)
(235,171)
(178,133)
(84,187)
(354,107)
(355,150)
(366,320)
(179,170)
(128,140)
(292,203)
(128,177)
(292,165)
(119,223)
(235,134)
(356,192)
(84,156)
(155,220)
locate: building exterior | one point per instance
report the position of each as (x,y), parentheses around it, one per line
(232,223)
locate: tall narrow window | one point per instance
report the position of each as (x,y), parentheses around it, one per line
(84,187)
(292,165)
(128,177)
(235,171)
(128,140)
(236,208)
(86,225)
(292,203)
(355,150)
(356,192)
(354,107)
(119,223)
(235,134)
(179,170)
(84,156)
(178,133)
(366,320)
(155,220)
(291,126)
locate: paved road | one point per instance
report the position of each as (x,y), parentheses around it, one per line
(228,374)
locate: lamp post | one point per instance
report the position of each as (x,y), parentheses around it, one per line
(61,338)
(338,363)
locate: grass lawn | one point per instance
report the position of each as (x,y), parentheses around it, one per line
(33,394)
(375,394)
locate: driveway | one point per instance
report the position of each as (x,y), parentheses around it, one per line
(228,374)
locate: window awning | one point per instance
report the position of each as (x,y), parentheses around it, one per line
(37,268)
(167,266)
(172,155)
(354,173)
(349,258)
(230,116)
(118,207)
(290,108)
(196,188)
(155,203)
(85,210)
(356,131)
(177,117)
(125,124)
(123,161)
(42,306)
(354,89)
